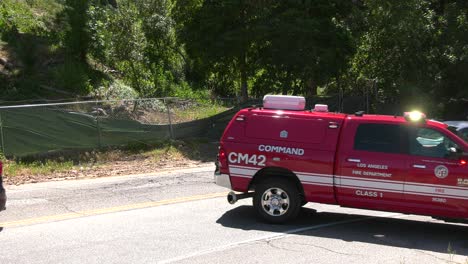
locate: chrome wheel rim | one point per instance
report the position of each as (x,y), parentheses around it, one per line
(275,202)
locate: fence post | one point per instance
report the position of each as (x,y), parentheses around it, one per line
(1,134)
(171,131)
(97,125)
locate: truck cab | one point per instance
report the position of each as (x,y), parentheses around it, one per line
(285,156)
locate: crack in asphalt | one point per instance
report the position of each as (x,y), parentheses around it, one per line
(66,207)
(270,244)
(403,245)
(324,248)
(121,193)
(439,258)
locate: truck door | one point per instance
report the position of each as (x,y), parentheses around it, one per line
(436,181)
(371,166)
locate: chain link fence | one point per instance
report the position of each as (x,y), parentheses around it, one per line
(43,128)
(37,129)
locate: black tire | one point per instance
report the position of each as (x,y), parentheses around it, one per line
(277,200)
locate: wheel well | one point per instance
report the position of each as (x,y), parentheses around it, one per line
(270,172)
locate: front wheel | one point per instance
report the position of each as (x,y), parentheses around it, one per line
(277,200)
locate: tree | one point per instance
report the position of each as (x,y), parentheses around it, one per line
(220,36)
(138,39)
(165,55)
(303,45)
(453,48)
(77,38)
(397,48)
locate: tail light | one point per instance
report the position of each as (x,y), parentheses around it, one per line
(1,168)
(222,160)
(463,162)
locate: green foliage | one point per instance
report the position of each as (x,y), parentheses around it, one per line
(286,47)
(452,39)
(115,91)
(412,53)
(220,37)
(17,17)
(13,169)
(201,111)
(72,76)
(185,91)
(101,38)
(77,37)
(396,49)
(415,50)
(138,41)
(305,45)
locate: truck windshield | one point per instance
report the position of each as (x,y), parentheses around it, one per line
(463,133)
(452,129)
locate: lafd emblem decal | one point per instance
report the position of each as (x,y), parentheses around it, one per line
(284,134)
(441,171)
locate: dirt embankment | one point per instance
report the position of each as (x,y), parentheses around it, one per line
(117,162)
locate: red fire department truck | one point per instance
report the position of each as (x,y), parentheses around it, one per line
(284,156)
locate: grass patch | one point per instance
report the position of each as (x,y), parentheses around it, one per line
(167,152)
(199,112)
(175,150)
(12,168)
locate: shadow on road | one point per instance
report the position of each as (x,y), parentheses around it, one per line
(435,237)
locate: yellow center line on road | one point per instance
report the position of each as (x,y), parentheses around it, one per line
(60,217)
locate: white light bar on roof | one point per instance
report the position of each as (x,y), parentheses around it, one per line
(321,108)
(284,102)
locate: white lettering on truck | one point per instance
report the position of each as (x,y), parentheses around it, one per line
(285,150)
(240,158)
(371,194)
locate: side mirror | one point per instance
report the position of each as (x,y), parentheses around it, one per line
(455,153)
(454,150)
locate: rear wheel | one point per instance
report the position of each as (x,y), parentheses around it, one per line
(277,200)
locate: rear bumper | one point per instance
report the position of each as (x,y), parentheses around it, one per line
(222,180)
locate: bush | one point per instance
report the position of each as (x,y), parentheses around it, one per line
(17,16)
(72,76)
(185,91)
(116,90)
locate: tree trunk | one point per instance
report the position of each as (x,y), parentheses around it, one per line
(286,84)
(311,88)
(136,85)
(243,72)
(113,3)
(243,56)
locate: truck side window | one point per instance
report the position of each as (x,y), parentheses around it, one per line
(378,138)
(429,143)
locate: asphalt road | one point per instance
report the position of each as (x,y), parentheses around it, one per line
(182,217)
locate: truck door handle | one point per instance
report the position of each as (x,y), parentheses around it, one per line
(354,160)
(417,166)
